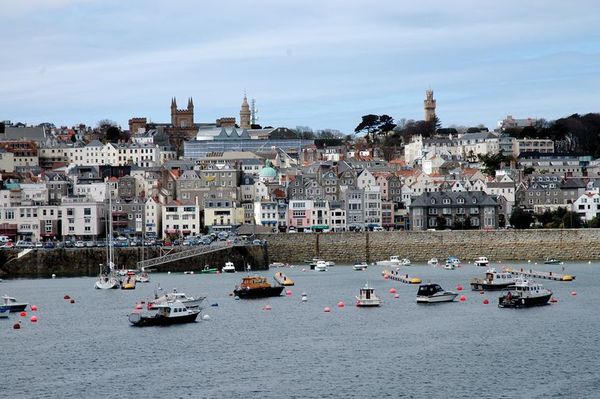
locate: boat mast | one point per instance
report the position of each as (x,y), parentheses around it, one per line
(110,229)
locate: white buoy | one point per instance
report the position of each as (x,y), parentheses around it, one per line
(237,298)
(529,261)
(589,262)
(304,297)
(206,317)
(53,275)
(168,272)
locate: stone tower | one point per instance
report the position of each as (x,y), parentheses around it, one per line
(245,114)
(182,118)
(429,105)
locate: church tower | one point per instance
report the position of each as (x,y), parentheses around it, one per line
(182,118)
(245,114)
(429,105)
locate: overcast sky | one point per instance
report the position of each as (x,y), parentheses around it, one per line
(321,64)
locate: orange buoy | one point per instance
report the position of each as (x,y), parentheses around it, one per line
(17,326)
(386,277)
(485,301)
(267,307)
(72,300)
(392,290)
(33,319)
(33,308)
(66,297)
(463,298)
(341,304)
(327,309)
(23,314)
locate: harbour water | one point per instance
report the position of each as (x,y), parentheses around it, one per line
(401,350)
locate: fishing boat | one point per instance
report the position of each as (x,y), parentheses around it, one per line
(128,281)
(168,313)
(360,266)
(12,304)
(367,297)
(433,262)
(552,261)
(321,266)
(433,293)
(493,281)
(283,279)
(228,268)
(481,261)
(394,260)
(523,294)
(256,287)
(209,270)
(190,302)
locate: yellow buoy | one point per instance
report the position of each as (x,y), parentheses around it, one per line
(566,277)
(415,280)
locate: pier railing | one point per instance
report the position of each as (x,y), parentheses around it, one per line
(185,254)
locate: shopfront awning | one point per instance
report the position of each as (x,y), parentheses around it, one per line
(320,227)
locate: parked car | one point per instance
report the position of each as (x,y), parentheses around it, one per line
(257,242)
(49,245)
(223,235)
(7,245)
(101,243)
(24,244)
(69,244)
(206,241)
(38,244)
(90,244)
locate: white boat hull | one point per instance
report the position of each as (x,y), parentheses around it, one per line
(446,297)
(360,267)
(108,283)
(387,263)
(320,268)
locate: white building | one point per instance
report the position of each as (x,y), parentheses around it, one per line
(181,219)
(587,206)
(82,218)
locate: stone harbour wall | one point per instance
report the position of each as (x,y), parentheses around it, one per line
(419,246)
(75,262)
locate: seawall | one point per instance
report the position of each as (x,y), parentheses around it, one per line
(74,262)
(419,246)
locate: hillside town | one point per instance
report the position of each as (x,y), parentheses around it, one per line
(181,179)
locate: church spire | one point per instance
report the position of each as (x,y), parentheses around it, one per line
(190,103)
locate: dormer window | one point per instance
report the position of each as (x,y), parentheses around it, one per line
(446,200)
(433,200)
(474,200)
(460,200)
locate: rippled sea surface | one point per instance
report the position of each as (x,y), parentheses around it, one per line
(401,350)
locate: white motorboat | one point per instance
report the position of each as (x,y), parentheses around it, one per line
(482,261)
(493,281)
(277,264)
(433,262)
(394,260)
(321,266)
(367,297)
(360,266)
(189,301)
(12,305)
(454,260)
(523,294)
(143,277)
(449,266)
(330,263)
(405,262)
(433,293)
(228,268)
(171,312)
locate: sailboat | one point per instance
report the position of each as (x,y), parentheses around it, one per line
(107,279)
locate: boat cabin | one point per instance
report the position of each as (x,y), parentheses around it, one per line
(251,282)
(493,275)
(367,292)
(429,289)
